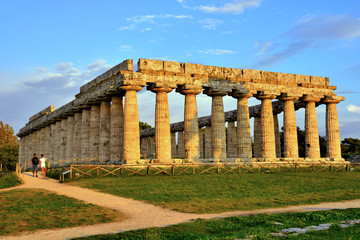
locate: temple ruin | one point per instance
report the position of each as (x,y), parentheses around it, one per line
(103,120)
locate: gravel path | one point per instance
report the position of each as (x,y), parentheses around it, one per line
(139,214)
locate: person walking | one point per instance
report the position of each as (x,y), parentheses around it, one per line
(35,163)
(43,162)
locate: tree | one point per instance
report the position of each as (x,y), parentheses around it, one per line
(7,135)
(144,125)
(9,155)
(350,146)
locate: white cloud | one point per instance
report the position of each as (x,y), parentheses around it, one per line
(353,108)
(125,48)
(140,19)
(235,7)
(216,51)
(97,64)
(146,29)
(210,23)
(130,27)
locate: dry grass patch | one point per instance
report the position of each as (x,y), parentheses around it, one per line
(32,209)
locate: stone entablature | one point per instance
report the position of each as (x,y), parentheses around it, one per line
(90,115)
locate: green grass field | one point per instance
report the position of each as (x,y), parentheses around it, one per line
(259,226)
(220,193)
(10,180)
(32,209)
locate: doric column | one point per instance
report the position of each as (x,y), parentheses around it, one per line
(85,133)
(218,135)
(332,128)
(47,141)
(51,153)
(162,125)
(69,137)
(201,143)
(312,144)
(131,125)
(21,150)
(277,136)
(152,146)
(291,149)
(30,145)
(77,135)
(105,117)
(191,124)
(243,132)
(117,129)
(63,135)
(143,147)
(231,140)
(36,142)
(257,137)
(173,145)
(267,127)
(57,140)
(180,144)
(94,132)
(208,147)
(40,141)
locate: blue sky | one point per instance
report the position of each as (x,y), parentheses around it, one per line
(48,49)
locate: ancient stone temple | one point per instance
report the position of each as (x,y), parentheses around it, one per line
(102,122)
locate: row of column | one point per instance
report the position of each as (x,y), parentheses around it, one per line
(110,131)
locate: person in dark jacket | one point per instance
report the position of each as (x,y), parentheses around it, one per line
(35,163)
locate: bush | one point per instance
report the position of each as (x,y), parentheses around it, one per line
(10,180)
(9,157)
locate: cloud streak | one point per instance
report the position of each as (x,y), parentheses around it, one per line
(310,32)
(216,51)
(233,7)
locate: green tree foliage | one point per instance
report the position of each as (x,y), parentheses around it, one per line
(9,147)
(350,146)
(7,135)
(144,125)
(9,155)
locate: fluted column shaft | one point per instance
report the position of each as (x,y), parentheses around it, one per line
(173,144)
(131,125)
(47,141)
(94,132)
(105,117)
(218,136)
(41,141)
(201,143)
(51,154)
(117,129)
(162,125)
(332,130)
(63,136)
(77,135)
(267,127)
(85,133)
(191,124)
(180,144)
(312,144)
(69,137)
(231,140)
(277,136)
(257,137)
(291,149)
(208,147)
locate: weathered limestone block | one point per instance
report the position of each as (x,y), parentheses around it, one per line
(277,136)
(105,117)
(257,137)
(181,145)
(231,140)
(302,79)
(251,74)
(85,133)
(267,127)
(208,146)
(286,78)
(150,64)
(312,144)
(173,67)
(131,125)
(192,68)
(69,138)
(117,129)
(94,132)
(317,80)
(77,135)
(63,135)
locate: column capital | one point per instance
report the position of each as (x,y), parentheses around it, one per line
(332,99)
(307,98)
(189,89)
(160,89)
(262,96)
(212,92)
(131,88)
(238,95)
(288,97)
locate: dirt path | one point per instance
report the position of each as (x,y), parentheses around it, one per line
(140,214)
